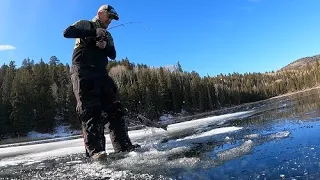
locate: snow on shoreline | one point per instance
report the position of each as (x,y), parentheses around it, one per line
(60,131)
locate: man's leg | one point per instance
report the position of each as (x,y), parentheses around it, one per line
(92,135)
(101,137)
(118,131)
(84,135)
(115,122)
(88,112)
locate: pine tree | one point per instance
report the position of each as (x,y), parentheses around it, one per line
(6,88)
(22,116)
(45,106)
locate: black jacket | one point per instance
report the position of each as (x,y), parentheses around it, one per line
(86,53)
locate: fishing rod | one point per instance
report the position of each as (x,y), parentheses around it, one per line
(123,24)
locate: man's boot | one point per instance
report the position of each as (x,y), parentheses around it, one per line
(118,130)
(119,136)
(99,156)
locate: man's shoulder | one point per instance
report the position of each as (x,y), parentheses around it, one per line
(83,23)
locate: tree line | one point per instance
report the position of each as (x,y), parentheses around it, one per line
(38,96)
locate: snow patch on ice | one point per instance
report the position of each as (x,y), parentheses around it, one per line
(84,171)
(203,122)
(251,136)
(142,165)
(212,132)
(156,161)
(238,151)
(10,162)
(74,162)
(46,153)
(281,134)
(199,138)
(31,162)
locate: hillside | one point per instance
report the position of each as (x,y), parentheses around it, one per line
(301,63)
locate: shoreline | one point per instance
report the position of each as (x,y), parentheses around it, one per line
(296,92)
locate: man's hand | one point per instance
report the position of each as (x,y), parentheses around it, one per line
(100,32)
(101,44)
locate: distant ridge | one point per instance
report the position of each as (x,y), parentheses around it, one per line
(301,63)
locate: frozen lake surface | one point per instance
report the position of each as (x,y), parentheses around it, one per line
(277,139)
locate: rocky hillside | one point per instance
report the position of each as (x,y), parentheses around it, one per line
(301,63)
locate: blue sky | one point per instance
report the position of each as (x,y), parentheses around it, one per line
(209,37)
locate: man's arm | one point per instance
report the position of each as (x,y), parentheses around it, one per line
(110,49)
(111,52)
(80,29)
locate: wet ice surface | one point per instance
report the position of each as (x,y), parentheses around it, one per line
(276,140)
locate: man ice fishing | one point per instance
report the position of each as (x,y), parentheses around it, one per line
(97,98)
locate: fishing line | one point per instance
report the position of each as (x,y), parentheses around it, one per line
(123,24)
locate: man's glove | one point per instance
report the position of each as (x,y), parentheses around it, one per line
(101,44)
(100,32)
(104,38)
